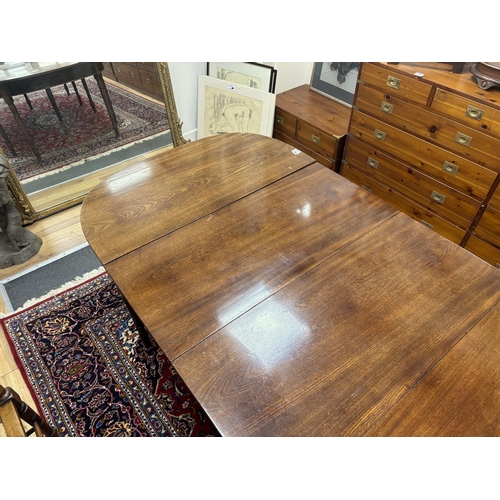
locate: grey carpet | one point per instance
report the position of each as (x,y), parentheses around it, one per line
(51,276)
(98,163)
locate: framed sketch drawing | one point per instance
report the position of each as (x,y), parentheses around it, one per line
(336,80)
(255,75)
(224,108)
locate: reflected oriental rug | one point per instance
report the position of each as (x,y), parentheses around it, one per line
(92,375)
(89,135)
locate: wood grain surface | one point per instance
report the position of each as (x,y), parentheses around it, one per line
(161,194)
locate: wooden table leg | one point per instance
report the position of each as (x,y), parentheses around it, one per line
(6,139)
(107,101)
(85,86)
(8,99)
(56,109)
(77,93)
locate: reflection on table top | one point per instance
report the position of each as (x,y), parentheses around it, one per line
(16,70)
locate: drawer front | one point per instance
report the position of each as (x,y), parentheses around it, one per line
(389,81)
(445,201)
(285,123)
(464,175)
(484,251)
(127,73)
(495,199)
(148,66)
(108,71)
(447,133)
(404,204)
(469,112)
(150,82)
(317,140)
(488,227)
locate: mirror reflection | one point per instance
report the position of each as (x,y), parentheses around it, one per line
(66,126)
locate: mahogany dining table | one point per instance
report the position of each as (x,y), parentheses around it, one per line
(293,302)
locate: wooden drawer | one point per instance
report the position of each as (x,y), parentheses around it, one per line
(469,177)
(386,80)
(484,251)
(148,66)
(319,158)
(404,204)
(285,123)
(317,140)
(471,113)
(108,71)
(495,199)
(488,227)
(451,204)
(470,143)
(150,82)
(127,73)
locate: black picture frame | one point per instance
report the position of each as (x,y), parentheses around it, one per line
(336,80)
(264,73)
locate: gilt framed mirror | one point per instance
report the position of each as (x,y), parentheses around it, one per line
(37,205)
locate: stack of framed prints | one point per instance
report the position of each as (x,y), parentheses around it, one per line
(236,97)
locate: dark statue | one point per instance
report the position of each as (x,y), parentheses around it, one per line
(17,244)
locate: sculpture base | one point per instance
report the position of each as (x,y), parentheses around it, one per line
(487,74)
(9,256)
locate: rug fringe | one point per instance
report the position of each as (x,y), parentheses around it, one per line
(78,280)
(96,157)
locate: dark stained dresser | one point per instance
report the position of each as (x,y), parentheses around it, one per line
(427,141)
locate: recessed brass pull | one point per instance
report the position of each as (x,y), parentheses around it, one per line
(426,224)
(378,134)
(474,113)
(386,107)
(438,197)
(315,139)
(463,139)
(450,168)
(279,120)
(393,82)
(372,163)
(366,188)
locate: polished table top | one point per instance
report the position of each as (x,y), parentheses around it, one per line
(294,303)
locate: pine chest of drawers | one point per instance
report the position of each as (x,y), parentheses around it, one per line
(313,124)
(427,141)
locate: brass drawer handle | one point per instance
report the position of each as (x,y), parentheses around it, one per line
(315,139)
(450,168)
(148,81)
(366,188)
(393,82)
(372,163)
(438,197)
(280,120)
(426,224)
(386,107)
(474,113)
(119,70)
(378,134)
(132,74)
(463,139)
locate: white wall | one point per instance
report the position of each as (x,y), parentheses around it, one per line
(184,77)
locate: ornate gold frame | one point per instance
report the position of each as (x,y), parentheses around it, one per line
(23,204)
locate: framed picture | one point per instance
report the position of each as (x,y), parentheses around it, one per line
(336,80)
(255,75)
(225,107)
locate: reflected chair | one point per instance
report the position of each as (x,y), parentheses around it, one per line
(13,411)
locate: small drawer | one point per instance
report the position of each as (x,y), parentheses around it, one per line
(150,82)
(404,204)
(471,113)
(484,251)
(495,199)
(472,144)
(470,177)
(451,204)
(391,82)
(148,66)
(317,140)
(285,123)
(108,71)
(488,227)
(127,73)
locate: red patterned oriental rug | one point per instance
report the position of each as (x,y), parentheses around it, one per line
(89,135)
(92,375)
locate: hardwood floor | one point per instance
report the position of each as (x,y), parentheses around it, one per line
(60,233)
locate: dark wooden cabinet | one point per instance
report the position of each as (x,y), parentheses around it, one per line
(427,141)
(141,76)
(313,124)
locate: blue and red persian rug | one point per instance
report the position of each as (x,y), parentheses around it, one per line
(92,375)
(89,135)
